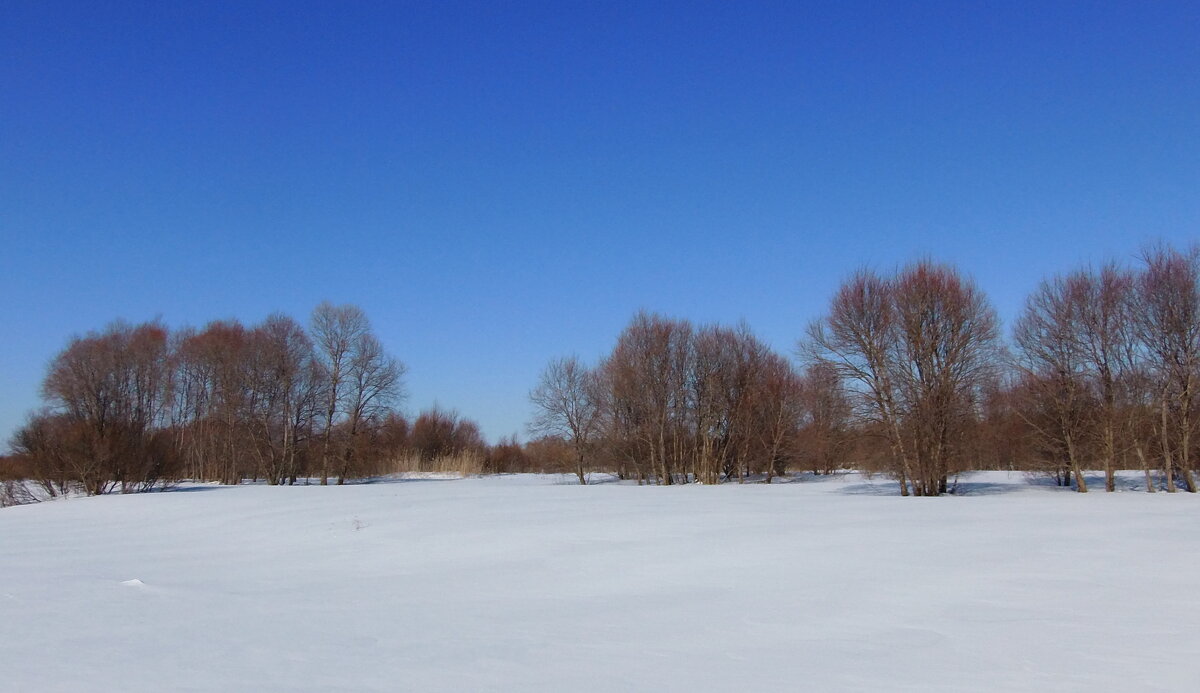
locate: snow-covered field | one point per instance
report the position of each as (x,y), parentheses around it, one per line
(526,583)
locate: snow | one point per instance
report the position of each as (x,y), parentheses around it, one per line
(528,583)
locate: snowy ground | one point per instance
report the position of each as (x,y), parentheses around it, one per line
(526,583)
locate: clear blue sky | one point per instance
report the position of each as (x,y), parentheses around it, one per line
(498,184)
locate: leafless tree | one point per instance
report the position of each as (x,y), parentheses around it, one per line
(214,397)
(674,403)
(725,378)
(915,349)
(777,405)
(1051,354)
(374,386)
(743,373)
(134,406)
(438,432)
(567,402)
(825,414)
(280,370)
(949,342)
(335,331)
(1104,311)
(1168,308)
(46,445)
(112,388)
(860,339)
(647,374)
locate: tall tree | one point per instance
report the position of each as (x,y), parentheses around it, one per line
(860,339)
(648,373)
(949,346)
(373,386)
(1168,307)
(281,372)
(1105,313)
(916,349)
(777,402)
(1051,353)
(335,331)
(112,387)
(568,403)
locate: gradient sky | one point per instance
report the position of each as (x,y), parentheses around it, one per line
(497,185)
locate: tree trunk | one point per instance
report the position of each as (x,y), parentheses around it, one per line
(1110,477)
(1184,450)
(1188,482)
(1080,483)
(1168,463)
(1145,467)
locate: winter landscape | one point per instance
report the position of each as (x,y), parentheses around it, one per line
(453,345)
(534,583)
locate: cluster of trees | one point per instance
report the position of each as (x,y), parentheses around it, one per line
(907,374)
(914,351)
(674,402)
(134,406)
(1107,364)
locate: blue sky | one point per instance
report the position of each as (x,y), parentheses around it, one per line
(497,184)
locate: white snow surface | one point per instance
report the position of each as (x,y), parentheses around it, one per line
(529,583)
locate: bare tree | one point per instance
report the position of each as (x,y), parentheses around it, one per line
(777,401)
(335,330)
(715,392)
(1052,355)
(280,362)
(718,383)
(916,350)
(438,433)
(1104,310)
(743,372)
(374,386)
(112,387)
(214,396)
(825,414)
(134,406)
(568,403)
(860,340)
(679,403)
(647,374)
(948,351)
(1168,306)
(45,446)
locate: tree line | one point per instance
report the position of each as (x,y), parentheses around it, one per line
(132,407)
(907,374)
